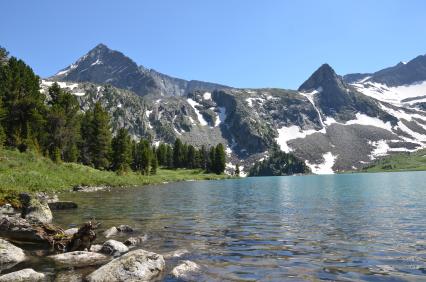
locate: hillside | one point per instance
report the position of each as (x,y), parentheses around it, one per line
(399,162)
(30,172)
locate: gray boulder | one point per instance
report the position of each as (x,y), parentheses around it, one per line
(110,232)
(71,231)
(35,210)
(80,258)
(137,265)
(96,248)
(125,228)
(19,229)
(7,209)
(187,271)
(10,254)
(26,274)
(113,247)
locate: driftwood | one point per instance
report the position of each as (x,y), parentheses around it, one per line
(21,230)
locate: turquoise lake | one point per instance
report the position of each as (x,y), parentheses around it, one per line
(350,227)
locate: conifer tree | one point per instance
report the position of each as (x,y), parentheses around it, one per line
(121,151)
(101,137)
(161,153)
(177,153)
(220,159)
(191,157)
(169,156)
(211,163)
(154,162)
(87,138)
(237,170)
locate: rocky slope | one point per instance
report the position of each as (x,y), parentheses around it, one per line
(334,123)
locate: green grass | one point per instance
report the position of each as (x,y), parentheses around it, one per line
(32,173)
(399,162)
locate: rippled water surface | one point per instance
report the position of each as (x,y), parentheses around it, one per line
(355,227)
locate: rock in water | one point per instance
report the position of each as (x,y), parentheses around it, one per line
(138,265)
(187,271)
(134,241)
(9,255)
(113,247)
(63,205)
(176,254)
(26,274)
(125,228)
(71,231)
(80,258)
(110,232)
(35,210)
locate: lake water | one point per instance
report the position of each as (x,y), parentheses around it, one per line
(353,227)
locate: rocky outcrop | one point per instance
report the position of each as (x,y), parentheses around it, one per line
(27,274)
(10,255)
(113,247)
(79,259)
(186,271)
(138,265)
(34,209)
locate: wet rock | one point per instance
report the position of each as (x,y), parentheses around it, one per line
(187,271)
(7,209)
(63,205)
(19,229)
(113,247)
(26,274)
(48,198)
(137,265)
(80,258)
(35,210)
(110,232)
(95,248)
(81,188)
(10,254)
(71,231)
(135,241)
(176,254)
(125,228)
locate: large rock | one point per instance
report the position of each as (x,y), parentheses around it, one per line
(7,209)
(35,210)
(19,229)
(71,231)
(80,258)
(26,274)
(137,265)
(10,254)
(125,228)
(187,271)
(113,247)
(176,254)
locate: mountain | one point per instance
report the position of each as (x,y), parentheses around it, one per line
(333,123)
(102,65)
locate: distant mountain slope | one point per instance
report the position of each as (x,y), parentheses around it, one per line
(102,65)
(333,123)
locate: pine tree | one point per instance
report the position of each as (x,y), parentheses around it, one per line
(204,156)
(161,153)
(23,103)
(211,163)
(101,137)
(87,138)
(220,159)
(177,154)
(154,162)
(169,156)
(237,170)
(2,116)
(121,151)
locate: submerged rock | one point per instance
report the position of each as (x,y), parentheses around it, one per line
(113,247)
(187,271)
(135,241)
(80,258)
(26,274)
(63,205)
(10,254)
(137,265)
(176,254)
(125,228)
(110,232)
(35,210)
(69,276)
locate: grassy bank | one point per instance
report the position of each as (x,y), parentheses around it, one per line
(399,162)
(30,172)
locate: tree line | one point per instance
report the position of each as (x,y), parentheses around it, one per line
(54,126)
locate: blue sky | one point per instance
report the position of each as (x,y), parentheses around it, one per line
(234,42)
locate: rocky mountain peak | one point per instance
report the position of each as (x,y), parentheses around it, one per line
(323,78)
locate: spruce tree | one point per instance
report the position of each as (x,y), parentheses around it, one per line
(154,162)
(169,156)
(101,137)
(121,151)
(161,153)
(177,154)
(237,170)
(86,138)
(211,163)
(220,159)
(191,157)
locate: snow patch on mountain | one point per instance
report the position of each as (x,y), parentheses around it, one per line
(207,96)
(197,112)
(363,119)
(220,118)
(287,133)
(326,167)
